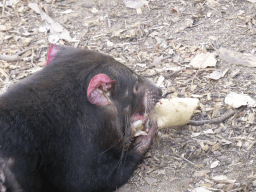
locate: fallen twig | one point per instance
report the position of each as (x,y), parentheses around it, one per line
(14,57)
(215,120)
(187,160)
(236,190)
(3,73)
(3,8)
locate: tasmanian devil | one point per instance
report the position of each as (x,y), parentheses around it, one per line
(69,126)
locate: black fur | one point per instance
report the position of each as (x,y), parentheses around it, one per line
(58,140)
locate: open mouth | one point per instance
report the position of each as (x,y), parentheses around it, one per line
(140,120)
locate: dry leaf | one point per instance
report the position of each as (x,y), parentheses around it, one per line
(189,22)
(195,134)
(223,178)
(208,131)
(203,60)
(216,147)
(234,73)
(238,100)
(216,111)
(157,60)
(193,87)
(212,38)
(214,164)
(251,117)
(134,4)
(215,75)
(139,11)
(67,11)
(239,143)
(212,3)
(3,28)
(160,81)
(252,1)
(57,31)
(94,10)
(201,173)
(238,58)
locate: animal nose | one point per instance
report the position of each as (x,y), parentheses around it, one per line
(160,92)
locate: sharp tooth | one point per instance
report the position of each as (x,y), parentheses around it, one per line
(138,133)
(137,123)
(108,93)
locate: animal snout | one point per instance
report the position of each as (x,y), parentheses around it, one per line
(159,92)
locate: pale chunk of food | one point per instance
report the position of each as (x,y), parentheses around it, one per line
(174,112)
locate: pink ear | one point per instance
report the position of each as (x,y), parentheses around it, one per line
(54,49)
(99,89)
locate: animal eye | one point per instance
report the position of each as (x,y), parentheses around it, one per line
(136,87)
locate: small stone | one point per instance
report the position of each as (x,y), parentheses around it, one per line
(217,153)
(222,158)
(150,181)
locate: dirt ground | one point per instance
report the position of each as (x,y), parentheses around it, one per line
(158,40)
